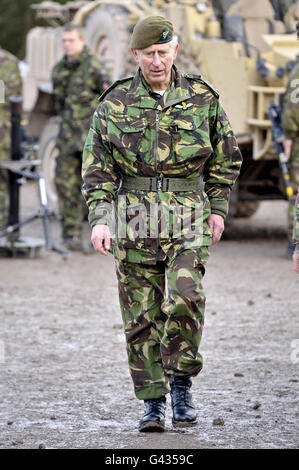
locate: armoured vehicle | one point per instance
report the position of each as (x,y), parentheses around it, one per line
(244,48)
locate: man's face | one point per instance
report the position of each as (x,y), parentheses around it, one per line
(73,43)
(155,62)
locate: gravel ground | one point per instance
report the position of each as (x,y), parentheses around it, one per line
(64,378)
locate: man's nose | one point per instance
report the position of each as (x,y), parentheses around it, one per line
(156,59)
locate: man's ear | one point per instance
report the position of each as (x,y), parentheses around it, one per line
(175,51)
(135,55)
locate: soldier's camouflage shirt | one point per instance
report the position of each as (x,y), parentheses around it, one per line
(77,85)
(11,85)
(185,133)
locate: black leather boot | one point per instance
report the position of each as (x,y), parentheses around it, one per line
(184,412)
(153,419)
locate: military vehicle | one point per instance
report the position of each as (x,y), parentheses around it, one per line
(243,48)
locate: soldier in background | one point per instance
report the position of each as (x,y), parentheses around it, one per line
(221,7)
(296,235)
(78,81)
(290,126)
(158,132)
(281,8)
(11,85)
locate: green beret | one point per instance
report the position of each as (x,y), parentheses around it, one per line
(151,30)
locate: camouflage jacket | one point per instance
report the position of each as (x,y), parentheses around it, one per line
(77,86)
(296,224)
(11,84)
(290,108)
(136,132)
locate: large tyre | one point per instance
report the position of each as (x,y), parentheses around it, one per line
(107,33)
(47,153)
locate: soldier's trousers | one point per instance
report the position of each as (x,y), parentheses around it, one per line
(162,308)
(72,207)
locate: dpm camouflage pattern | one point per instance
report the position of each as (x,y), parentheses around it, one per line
(135,132)
(72,207)
(296,225)
(11,78)
(290,125)
(77,85)
(163,332)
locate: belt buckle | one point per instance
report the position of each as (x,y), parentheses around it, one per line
(159,183)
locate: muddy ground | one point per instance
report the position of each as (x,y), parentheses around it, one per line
(64,377)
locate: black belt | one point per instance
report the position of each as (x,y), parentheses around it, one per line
(144,183)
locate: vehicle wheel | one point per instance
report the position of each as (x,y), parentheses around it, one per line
(47,153)
(107,32)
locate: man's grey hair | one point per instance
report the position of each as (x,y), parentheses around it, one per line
(174,41)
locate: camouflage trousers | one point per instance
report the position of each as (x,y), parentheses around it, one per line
(162,308)
(72,207)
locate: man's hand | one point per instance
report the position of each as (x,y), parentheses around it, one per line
(100,238)
(296,262)
(216,224)
(287,147)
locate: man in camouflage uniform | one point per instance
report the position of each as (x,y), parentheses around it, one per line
(78,80)
(10,85)
(290,126)
(158,132)
(296,235)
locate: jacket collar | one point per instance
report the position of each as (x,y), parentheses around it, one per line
(141,95)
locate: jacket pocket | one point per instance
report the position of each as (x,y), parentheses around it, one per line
(190,138)
(125,134)
(84,106)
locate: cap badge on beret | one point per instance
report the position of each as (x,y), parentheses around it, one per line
(165,34)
